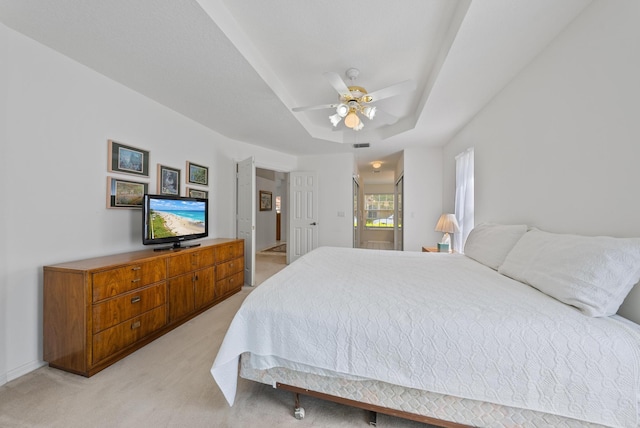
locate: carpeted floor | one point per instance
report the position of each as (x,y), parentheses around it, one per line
(167,384)
(282,248)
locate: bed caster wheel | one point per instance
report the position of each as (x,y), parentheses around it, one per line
(298,412)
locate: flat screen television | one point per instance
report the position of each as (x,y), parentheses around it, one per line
(174,219)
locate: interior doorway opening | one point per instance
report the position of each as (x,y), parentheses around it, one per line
(378,201)
(271,211)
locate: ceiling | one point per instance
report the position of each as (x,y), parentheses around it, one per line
(240,66)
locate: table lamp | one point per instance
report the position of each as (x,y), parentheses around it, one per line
(447,224)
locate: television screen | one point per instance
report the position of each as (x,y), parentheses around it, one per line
(173,219)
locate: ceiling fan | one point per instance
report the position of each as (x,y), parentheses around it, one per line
(354,101)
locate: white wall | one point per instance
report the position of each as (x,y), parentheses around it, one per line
(4,208)
(422,197)
(265,220)
(559,147)
(335,177)
(53,175)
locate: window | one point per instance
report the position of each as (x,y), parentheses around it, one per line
(379,208)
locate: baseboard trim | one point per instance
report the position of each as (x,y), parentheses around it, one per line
(22,370)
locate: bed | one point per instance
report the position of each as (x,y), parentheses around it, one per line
(519,331)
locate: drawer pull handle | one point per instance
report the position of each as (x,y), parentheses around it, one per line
(135,325)
(135,299)
(136,268)
(135,280)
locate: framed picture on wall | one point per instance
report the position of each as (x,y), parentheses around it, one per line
(197,193)
(168,180)
(127,159)
(265,200)
(124,193)
(197,174)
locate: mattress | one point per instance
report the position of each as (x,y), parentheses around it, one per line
(425,403)
(441,323)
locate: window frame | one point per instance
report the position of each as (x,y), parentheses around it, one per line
(390,210)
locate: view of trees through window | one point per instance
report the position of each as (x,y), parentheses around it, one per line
(379,210)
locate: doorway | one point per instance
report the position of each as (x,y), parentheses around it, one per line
(271,222)
(378,204)
(271,214)
(378,225)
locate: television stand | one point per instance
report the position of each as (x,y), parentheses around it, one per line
(97,311)
(176,246)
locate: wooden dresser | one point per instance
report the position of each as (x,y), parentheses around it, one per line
(99,310)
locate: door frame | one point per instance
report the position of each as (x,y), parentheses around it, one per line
(257,164)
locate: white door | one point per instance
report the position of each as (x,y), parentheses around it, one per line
(303,218)
(246,215)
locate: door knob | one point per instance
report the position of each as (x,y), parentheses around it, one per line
(312,224)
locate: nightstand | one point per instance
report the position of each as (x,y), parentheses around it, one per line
(432,250)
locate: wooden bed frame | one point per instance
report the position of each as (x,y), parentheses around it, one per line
(298,410)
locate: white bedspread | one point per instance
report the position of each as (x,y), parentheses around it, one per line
(443,323)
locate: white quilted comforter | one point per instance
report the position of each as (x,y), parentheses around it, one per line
(442,323)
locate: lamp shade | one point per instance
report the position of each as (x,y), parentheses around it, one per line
(369,112)
(447,223)
(342,110)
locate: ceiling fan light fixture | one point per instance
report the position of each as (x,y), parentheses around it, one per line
(335,119)
(353,100)
(352,120)
(369,112)
(342,110)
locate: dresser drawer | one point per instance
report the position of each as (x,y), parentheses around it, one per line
(229,284)
(229,251)
(116,338)
(189,261)
(114,311)
(112,282)
(229,268)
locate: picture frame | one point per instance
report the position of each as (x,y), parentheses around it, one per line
(197,174)
(265,200)
(168,180)
(127,159)
(125,193)
(197,193)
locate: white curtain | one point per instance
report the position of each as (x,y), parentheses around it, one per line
(464,198)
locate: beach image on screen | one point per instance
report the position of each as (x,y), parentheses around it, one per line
(176,218)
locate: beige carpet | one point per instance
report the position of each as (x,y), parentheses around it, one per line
(282,248)
(167,384)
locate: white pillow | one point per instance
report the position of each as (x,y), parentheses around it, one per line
(489,243)
(594,274)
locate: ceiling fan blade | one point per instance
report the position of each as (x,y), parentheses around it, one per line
(337,83)
(393,90)
(318,107)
